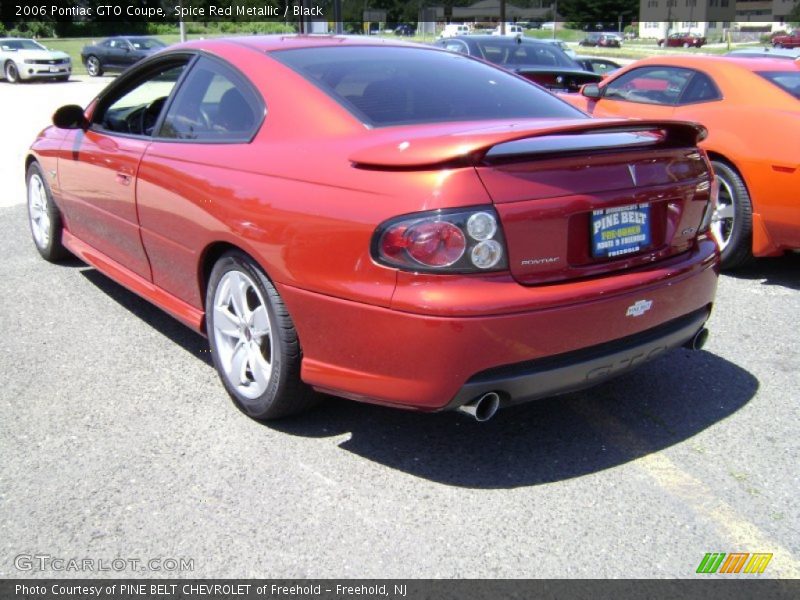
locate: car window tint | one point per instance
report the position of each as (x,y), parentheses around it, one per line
(135,110)
(214,104)
(700,89)
(455,46)
(146,43)
(393,85)
(650,85)
(788,81)
(523,54)
(21,45)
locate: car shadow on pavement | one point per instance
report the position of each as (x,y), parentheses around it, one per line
(661,404)
(156,318)
(664,403)
(783,271)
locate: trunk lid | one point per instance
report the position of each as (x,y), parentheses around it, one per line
(584,203)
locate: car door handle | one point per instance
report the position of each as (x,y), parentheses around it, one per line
(123,179)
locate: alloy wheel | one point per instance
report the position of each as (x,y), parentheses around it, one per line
(12,75)
(243,334)
(93,66)
(724,216)
(38,211)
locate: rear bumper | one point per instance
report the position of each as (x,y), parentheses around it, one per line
(416,355)
(580,369)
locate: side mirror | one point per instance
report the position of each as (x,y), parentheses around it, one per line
(591,90)
(69,117)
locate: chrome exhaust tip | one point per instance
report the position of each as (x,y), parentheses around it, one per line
(482,408)
(698,341)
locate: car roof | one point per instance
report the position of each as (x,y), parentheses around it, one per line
(766,52)
(712,63)
(269,43)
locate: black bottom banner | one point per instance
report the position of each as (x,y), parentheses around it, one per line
(412,589)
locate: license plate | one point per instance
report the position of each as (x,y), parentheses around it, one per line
(620,231)
(55,69)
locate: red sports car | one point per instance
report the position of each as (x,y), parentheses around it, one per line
(382,221)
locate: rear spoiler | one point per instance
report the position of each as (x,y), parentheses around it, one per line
(543,138)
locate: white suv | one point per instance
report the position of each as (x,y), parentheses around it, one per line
(454,29)
(511,31)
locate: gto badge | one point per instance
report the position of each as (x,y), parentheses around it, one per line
(638,308)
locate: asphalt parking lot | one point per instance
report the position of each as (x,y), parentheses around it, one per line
(118,441)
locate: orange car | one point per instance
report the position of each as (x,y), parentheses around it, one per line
(751,107)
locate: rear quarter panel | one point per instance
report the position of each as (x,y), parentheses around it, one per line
(290,198)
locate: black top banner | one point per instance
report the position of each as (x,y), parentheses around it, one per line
(391,11)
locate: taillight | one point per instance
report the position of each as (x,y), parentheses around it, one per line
(460,241)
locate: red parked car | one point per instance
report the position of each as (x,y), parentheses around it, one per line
(685,40)
(382,221)
(789,40)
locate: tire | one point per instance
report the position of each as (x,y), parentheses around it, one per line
(253,341)
(732,222)
(44,217)
(686,44)
(93,66)
(660,44)
(11,73)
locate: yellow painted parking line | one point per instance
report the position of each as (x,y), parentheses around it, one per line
(740,533)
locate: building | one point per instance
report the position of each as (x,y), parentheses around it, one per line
(711,18)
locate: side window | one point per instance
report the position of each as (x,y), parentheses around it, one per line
(456,46)
(650,85)
(135,108)
(215,103)
(700,89)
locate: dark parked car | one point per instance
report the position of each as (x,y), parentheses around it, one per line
(118,53)
(405,30)
(682,39)
(601,66)
(603,40)
(542,63)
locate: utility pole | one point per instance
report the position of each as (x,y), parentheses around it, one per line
(181,24)
(555,18)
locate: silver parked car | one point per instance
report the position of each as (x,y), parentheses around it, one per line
(23,59)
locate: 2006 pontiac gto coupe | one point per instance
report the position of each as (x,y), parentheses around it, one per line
(382,221)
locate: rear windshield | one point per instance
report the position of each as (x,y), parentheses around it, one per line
(788,81)
(398,86)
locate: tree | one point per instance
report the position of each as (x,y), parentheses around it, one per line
(598,11)
(794,16)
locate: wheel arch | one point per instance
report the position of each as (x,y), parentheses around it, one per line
(29,160)
(209,257)
(713,155)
